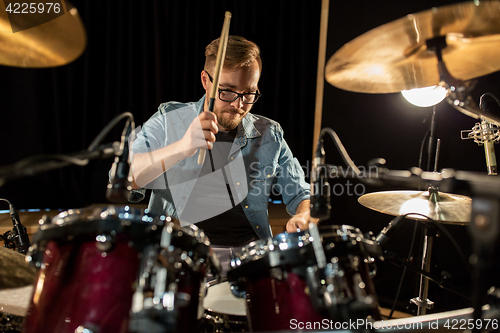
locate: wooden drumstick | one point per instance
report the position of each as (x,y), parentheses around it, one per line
(221,54)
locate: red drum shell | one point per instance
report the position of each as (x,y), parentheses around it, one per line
(90,264)
(273,303)
(79,286)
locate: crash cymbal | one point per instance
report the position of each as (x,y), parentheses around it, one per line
(15,272)
(394,56)
(26,41)
(446,208)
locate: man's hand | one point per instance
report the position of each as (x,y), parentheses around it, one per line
(201,133)
(301,219)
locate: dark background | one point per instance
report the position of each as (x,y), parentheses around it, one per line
(142,53)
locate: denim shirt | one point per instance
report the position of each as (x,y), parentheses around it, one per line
(265,164)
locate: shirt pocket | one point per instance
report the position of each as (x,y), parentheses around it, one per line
(261,180)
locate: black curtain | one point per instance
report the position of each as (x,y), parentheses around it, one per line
(139,54)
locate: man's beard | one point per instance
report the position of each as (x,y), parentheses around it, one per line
(227,120)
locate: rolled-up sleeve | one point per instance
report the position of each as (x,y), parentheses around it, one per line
(290,179)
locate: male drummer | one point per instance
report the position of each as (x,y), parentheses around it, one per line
(227,194)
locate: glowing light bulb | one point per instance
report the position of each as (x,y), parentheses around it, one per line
(427,96)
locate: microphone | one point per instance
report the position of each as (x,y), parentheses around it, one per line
(488,138)
(489,148)
(21,238)
(486,133)
(119,185)
(384,236)
(320,188)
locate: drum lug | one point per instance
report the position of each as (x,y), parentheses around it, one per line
(105,243)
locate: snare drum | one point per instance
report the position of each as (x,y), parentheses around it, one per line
(90,261)
(283,285)
(224,312)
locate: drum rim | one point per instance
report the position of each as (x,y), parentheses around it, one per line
(103,212)
(286,241)
(123,213)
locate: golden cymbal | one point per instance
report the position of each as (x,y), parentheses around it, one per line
(15,272)
(25,41)
(394,56)
(444,208)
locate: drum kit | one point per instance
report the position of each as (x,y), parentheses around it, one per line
(121,269)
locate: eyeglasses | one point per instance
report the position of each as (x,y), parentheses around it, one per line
(227,95)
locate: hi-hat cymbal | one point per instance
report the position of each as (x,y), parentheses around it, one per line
(35,44)
(445,208)
(15,272)
(394,56)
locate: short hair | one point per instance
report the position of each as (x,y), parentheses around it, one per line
(240,52)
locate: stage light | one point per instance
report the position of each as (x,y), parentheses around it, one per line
(424,97)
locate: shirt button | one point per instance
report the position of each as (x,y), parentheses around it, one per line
(238,183)
(268,176)
(232,158)
(257,227)
(246,207)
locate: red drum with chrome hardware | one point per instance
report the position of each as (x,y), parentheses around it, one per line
(282,284)
(91,262)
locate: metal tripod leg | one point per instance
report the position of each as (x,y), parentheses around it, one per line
(421,301)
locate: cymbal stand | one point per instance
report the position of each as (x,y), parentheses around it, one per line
(422,302)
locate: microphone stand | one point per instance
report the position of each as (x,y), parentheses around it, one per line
(43,163)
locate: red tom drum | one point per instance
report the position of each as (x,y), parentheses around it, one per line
(91,268)
(283,286)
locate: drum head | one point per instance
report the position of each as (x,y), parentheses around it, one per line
(220,299)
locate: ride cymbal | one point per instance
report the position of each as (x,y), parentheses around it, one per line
(38,40)
(444,208)
(394,56)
